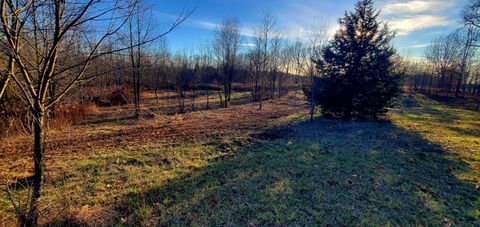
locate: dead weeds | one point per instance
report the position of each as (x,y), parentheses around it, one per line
(206,126)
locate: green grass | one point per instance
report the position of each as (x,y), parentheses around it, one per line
(422,168)
(454,130)
(327,180)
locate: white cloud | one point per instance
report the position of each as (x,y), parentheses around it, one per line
(247,44)
(408,24)
(417,6)
(417,59)
(408,16)
(205,24)
(423,45)
(297,31)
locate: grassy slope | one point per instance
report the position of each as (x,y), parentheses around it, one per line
(455,130)
(423,168)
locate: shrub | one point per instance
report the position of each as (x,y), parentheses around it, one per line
(116,97)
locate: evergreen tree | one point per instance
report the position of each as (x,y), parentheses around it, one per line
(357,79)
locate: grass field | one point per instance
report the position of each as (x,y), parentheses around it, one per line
(242,166)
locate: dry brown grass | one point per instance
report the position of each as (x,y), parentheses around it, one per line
(111,128)
(68,114)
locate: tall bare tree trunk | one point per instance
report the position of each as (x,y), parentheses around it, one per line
(312,101)
(193,98)
(255,91)
(137,101)
(4,83)
(38,149)
(459,83)
(219,93)
(208,99)
(168,99)
(156,86)
(260,98)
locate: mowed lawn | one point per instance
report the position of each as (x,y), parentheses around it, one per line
(420,167)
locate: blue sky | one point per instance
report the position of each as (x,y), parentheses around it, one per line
(416,22)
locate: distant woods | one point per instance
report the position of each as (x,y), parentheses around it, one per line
(451,62)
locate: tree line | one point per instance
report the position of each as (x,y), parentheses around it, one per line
(451,63)
(267,65)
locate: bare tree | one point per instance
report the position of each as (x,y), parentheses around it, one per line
(183,78)
(227,41)
(307,53)
(471,14)
(442,54)
(139,30)
(34,32)
(195,79)
(474,80)
(34,46)
(206,62)
(160,61)
(141,33)
(286,60)
(255,67)
(9,72)
(260,55)
(467,38)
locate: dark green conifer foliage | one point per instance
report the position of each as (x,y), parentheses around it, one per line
(357,80)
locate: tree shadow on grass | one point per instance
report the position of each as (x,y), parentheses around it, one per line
(321,173)
(468,103)
(326,172)
(465,132)
(440,114)
(422,109)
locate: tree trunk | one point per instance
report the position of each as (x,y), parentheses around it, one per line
(208,99)
(156,87)
(431,85)
(220,97)
(137,96)
(3,85)
(134,77)
(274,81)
(459,83)
(312,102)
(53,92)
(347,113)
(225,95)
(457,89)
(193,99)
(260,99)
(255,92)
(38,149)
(229,93)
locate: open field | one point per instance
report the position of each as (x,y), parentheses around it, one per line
(244,166)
